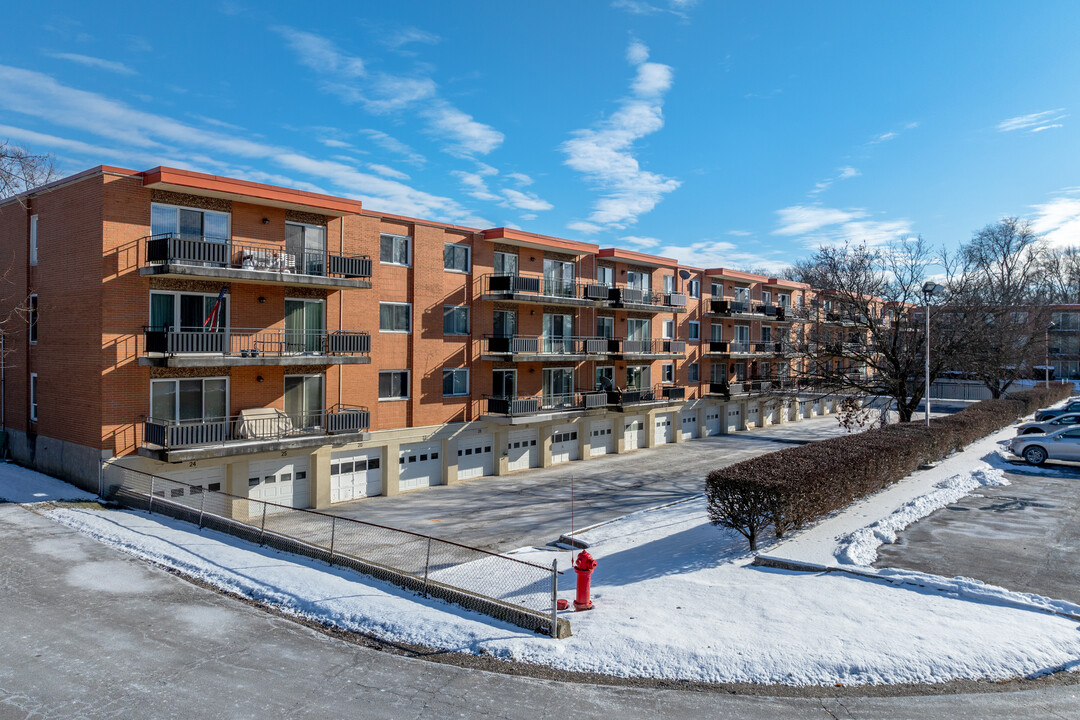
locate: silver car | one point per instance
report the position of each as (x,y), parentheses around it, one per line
(1048,426)
(1061,444)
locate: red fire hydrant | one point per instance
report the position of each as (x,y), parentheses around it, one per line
(584,567)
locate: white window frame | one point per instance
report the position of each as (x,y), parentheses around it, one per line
(605,275)
(694,330)
(408,249)
(608,321)
(33,318)
(409,316)
(176,382)
(468,258)
(669,284)
(455,372)
(34,239)
(33,397)
(667,329)
(693,288)
(455,309)
(667,373)
(716,290)
(639,280)
(228,219)
(766,297)
(407,384)
(223,326)
(693,372)
(501,256)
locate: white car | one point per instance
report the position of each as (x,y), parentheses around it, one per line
(1048,426)
(1061,444)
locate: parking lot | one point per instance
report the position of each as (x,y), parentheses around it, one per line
(1024,536)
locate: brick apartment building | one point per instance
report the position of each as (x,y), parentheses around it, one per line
(298,348)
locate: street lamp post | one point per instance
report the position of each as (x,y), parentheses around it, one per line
(928,288)
(1046,367)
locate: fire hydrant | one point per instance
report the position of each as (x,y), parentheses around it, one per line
(584,568)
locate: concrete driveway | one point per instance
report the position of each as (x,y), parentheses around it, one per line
(1024,536)
(533,508)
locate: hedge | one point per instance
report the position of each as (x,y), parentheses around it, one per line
(791,487)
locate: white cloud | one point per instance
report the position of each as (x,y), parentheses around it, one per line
(1046,127)
(884,137)
(1059,219)
(739,233)
(525,200)
(392,144)
(585,228)
(639,241)
(817,225)
(475,185)
(848,172)
(843,173)
(332,143)
(387,171)
(1035,122)
(721,253)
(110,65)
(637,52)
(468,134)
(641,7)
(520,178)
(605,154)
(409,35)
(803,219)
(320,54)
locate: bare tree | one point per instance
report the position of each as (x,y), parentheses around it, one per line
(1061,275)
(22,170)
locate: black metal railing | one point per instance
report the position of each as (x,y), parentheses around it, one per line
(205,251)
(545,345)
(547,402)
(650,347)
(254,425)
(255,342)
(544,286)
(745,348)
(622,295)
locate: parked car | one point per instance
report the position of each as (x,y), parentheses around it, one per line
(1063,444)
(1053,412)
(1048,426)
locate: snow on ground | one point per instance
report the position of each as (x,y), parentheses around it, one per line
(19,485)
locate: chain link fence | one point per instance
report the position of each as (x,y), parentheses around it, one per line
(505,588)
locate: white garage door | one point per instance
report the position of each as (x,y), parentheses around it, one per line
(419,466)
(475,457)
(283,481)
(564,444)
(753,415)
(688,424)
(734,418)
(712,421)
(355,474)
(522,450)
(665,432)
(634,432)
(211,478)
(817,406)
(602,438)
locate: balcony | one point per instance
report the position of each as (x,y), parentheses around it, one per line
(543,290)
(744,349)
(531,406)
(727,307)
(236,347)
(187,256)
(526,348)
(658,394)
(649,349)
(647,300)
(252,431)
(747,388)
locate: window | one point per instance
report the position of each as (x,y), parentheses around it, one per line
(667,373)
(188,312)
(504,383)
(693,288)
(393,384)
(695,330)
(504,323)
(189,400)
(783,300)
(693,372)
(667,330)
(456,257)
(33,318)
(305,326)
(766,333)
(605,327)
(455,382)
(716,332)
(605,275)
(717,290)
(395,317)
(766,297)
(637,329)
(305,248)
(558,278)
(637,280)
(33,396)
(669,283)
(506,263)
(395,249)
(33,239)
(455,320)
(741,294)
(605,378)
(189,223)
(558,387)
(637,377)
(304,399)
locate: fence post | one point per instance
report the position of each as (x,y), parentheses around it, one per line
(202,506)
(427,564)
(333,528)
(150,505)
(555,599)
(262,525)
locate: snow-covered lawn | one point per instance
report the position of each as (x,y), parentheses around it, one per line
(677,598)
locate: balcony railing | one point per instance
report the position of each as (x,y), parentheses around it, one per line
(745,348)
(548,402)
(255,425)
(543,286)
(205,251)
(657,393)
(543,345)
(622,295)
(255,342)
(751,387)
(650,347)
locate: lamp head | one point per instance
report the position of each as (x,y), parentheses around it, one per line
(930,287)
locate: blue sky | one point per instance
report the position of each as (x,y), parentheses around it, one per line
(740,134)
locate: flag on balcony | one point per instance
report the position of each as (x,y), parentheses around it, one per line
(212,319)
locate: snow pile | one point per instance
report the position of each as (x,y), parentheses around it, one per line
(19,485)
(860,547)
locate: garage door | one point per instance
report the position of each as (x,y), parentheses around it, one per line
(734,418)
(688,424)
(211,478)
(602,438)
(817,406)
(753,415)
(634,432)
(564,444)
(283,481)
(419,466)
(355,474)
(475,457)
(712,421)
(665,431)
(522,450)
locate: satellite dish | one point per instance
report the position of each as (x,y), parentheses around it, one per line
(684,274)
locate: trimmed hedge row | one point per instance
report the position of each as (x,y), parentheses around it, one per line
(791,487)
